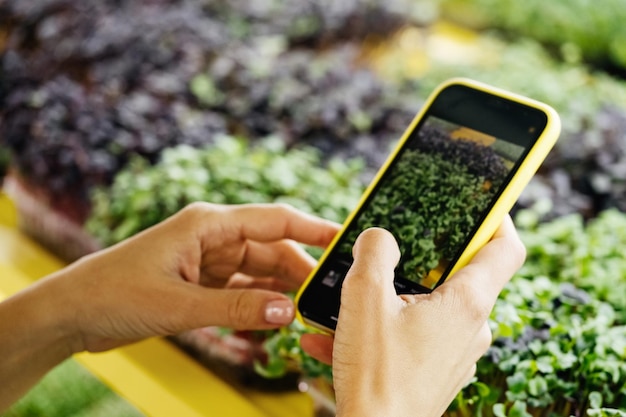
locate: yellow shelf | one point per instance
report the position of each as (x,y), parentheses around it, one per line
(153,375)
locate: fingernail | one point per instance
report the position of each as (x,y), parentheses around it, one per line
(279,312)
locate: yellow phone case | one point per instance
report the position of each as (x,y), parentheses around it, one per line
(504,203)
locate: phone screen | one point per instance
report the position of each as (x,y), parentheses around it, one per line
(435,193)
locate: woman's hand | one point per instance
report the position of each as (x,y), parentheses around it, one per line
(207,265)
(409,355)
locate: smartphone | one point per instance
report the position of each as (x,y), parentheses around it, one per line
(444,190)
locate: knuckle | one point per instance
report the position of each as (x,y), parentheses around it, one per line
(197,208)
(519,252)
(484,340)
(196,213)
(515,250)
(285,209)
(240,311)
(478,308)
(473,302)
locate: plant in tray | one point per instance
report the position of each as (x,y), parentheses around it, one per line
(324,99)
(559,332)
(229,172)
(85,85)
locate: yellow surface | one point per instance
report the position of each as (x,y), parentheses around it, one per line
(152,375)
(8,214)
(411,52)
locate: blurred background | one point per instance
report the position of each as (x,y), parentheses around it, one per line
(114,114)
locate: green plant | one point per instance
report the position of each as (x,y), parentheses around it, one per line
(71,391)
(559,326)
(228,172)
(284,354)
(592,31)
(589,255)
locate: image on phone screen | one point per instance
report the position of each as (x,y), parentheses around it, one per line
(432,197)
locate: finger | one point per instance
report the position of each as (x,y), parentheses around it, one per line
(242,309)
(242,281)
(318,346)
(269,222)
(376,255)
(505,240)
(284,259)
(492,267)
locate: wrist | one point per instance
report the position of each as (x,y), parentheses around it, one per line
(40,319)
(59,313)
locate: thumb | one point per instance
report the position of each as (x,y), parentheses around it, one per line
(368,295)
(243,309)
(376,255)
(318,346)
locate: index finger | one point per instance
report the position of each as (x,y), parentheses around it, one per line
(271,222)
(493,266)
